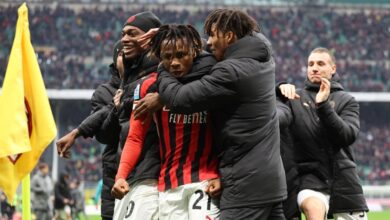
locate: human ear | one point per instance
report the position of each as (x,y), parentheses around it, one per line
(230,37)
(334,68)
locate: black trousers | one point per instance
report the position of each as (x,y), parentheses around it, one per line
(108,201)
(271,212)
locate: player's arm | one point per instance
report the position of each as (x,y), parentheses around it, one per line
(344,126)
(91,125)
(99,99)
(148,105)
(208,92)
(133,145)
(130,154)
(284,113)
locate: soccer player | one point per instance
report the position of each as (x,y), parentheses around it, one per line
(142,200)
(240,91)
(188,161)
(324,122)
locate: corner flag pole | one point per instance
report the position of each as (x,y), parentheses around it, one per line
(26,211)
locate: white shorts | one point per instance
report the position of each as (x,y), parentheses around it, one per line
(306,193)
(141,202)
(188,202)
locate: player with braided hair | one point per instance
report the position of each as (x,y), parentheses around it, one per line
(240,92)
(189,168)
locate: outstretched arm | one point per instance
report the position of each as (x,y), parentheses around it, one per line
(206,93)
(284,113)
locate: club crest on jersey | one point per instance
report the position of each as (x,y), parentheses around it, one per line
(137,92)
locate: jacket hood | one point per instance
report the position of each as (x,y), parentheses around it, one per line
(115,80)
(334,84)
(265,40)
(140,67)
(249,47)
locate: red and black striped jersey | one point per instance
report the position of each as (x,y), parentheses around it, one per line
(186,145)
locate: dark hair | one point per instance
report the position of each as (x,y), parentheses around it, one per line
(42,166)
(236,21)
(172,33)
(325,50)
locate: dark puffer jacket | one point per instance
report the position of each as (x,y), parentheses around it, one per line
(148,166)
(240,92)
(323,134)
(62,192)
(102,105)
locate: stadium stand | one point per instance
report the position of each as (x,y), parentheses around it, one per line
(74,44)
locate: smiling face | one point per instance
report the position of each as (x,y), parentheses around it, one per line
(176,57)
(320,65)
(130,36)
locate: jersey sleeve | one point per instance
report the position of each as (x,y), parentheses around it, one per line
(137,132)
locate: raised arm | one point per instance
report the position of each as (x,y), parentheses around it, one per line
(344,125)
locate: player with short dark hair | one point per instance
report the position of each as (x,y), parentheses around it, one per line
(324,123)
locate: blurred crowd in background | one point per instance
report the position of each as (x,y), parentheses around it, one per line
(75,47)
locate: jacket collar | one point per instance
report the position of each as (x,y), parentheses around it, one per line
(334,84)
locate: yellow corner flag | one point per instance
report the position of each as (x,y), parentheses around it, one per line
(26,122)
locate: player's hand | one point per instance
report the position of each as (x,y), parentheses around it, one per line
(323,93)
(66,201)
(288,91)
(214,188)
(65,143)
(117,98)
(120,188)
(144,40)
(148,105)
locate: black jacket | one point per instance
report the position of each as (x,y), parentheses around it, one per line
(61,192)
(323,134)
(287,151)
(101,103)
(148,166)
(240,93)
(93,125)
